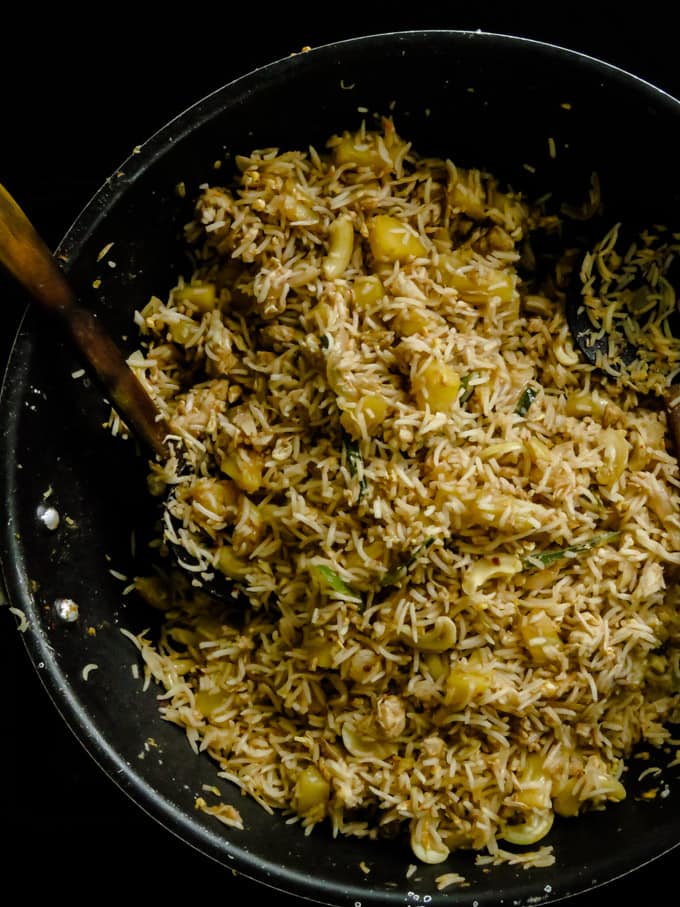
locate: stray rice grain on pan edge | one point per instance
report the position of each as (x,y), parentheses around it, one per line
(456,537)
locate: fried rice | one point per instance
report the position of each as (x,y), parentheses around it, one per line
(456,538)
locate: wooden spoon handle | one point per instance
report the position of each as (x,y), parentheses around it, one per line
(27,258)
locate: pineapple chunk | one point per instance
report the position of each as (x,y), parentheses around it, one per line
(437,385)
(539,632)
(463,686)
(244,467)
(475,280)
(417,320)
(201,296)
(391,239)
(370,412)
(207,701)
(468,197)
(182,329)
(436,664)
(368,290)
(297,210)
(311,790)
(217,497)
(362,150)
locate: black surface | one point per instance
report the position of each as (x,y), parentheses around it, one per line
(96,91)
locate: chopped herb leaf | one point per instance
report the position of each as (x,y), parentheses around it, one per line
(545,558)
(335,582)
(465,390)
(355,462)
(324,341)
(525,401)
(394,576)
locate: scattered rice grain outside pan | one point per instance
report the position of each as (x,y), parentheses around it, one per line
(540,118)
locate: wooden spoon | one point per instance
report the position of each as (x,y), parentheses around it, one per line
(25,255)
(27,258)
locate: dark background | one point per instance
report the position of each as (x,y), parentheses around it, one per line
(78,93)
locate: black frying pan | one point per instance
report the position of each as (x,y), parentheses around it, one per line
(52,423)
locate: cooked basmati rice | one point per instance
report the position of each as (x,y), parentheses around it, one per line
(456,537)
